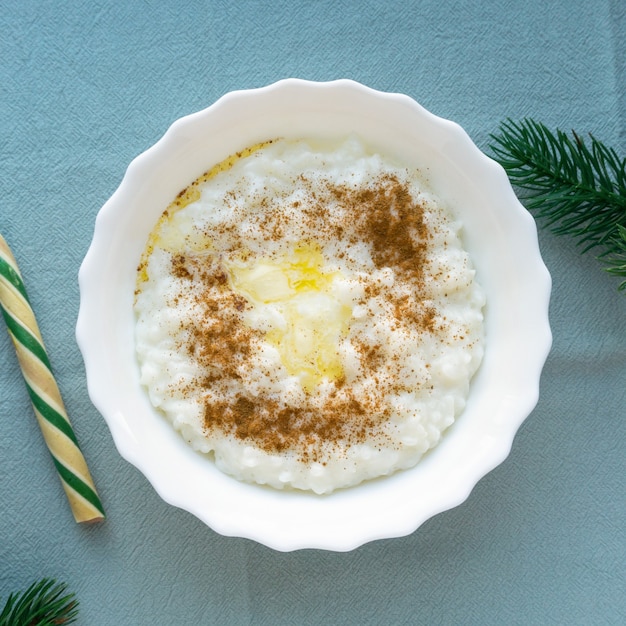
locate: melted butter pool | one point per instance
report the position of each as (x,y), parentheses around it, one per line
(300,287)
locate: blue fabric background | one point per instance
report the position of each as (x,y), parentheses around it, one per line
(86,86)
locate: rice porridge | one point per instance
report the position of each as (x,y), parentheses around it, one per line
(306,314)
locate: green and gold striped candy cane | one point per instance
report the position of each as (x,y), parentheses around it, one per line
(44,392)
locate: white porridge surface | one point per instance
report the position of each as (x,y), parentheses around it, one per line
(307,315)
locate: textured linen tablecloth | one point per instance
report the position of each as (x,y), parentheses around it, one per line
(86,86)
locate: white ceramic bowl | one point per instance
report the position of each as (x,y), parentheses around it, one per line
(499,233)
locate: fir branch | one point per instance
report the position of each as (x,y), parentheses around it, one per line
(616,262)
(44,603)
(578,188)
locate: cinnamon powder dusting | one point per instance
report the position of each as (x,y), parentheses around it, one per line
(385,216)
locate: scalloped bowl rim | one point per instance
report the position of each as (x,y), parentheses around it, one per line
(499,233)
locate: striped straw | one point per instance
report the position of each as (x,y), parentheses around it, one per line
(44,392)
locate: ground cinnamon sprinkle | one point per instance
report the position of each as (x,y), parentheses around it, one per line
(394,226)
(385,216)
(392,221)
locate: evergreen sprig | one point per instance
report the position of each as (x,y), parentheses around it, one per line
(576,187)
(44,603)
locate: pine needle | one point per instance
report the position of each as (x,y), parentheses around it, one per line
(577,188)
(44,603)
